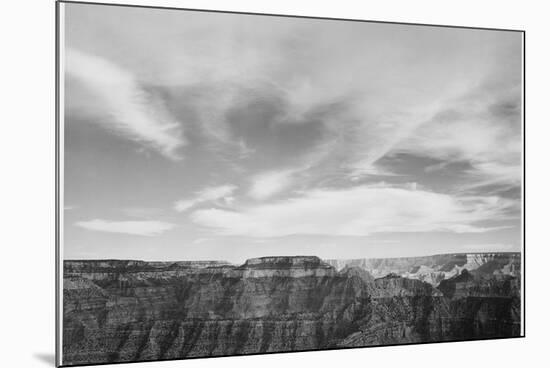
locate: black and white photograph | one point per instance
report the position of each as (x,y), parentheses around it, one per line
(239,184)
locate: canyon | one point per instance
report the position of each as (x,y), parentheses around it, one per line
(125,310)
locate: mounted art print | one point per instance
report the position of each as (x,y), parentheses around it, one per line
(235,183)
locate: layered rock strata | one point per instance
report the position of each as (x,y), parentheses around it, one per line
(117,311)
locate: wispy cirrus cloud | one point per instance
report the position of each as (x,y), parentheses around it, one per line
(359,211)
(218,193)
(127,108)
(142,228)
(482,128)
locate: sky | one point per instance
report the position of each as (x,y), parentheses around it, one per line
(211,136)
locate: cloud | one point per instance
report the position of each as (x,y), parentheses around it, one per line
(358,211)
(370,170)
(222,192)
(128,109)
(389,83)
(481,128)
(143,228)
(503,175)
(268,184)
(467,107)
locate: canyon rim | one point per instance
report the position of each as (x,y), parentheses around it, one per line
(117,311)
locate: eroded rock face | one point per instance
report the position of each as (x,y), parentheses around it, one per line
(434,269)
(299,266)
(118,311)
(486,304)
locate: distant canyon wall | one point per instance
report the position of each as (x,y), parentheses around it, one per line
(434,269)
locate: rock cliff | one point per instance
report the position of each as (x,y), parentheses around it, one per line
(117,311)
(434,269)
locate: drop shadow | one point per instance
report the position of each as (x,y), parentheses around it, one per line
(47,358)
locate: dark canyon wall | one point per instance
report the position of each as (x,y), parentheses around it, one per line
(117,311)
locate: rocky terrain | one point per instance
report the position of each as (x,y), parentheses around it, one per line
(119,311)
(434,269)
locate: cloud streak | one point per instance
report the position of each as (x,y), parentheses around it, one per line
(128,109)
(221,193)
(142,228)
(482,128)
(358,211)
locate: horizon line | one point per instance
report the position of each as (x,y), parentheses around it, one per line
(287,256)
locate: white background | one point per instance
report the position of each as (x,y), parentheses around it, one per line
(27,182)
